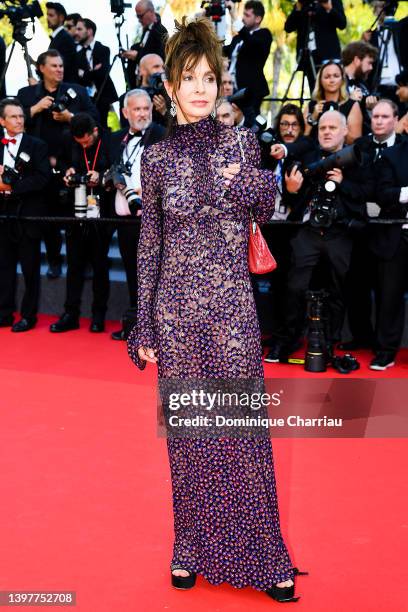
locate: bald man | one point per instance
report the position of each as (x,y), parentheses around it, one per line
(153,39)
(316,241)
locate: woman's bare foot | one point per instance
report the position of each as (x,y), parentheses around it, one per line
(183,573)
(287,583)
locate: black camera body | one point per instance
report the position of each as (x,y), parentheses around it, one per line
(77,179)
(12,175)
(64,102)
(16,14)
(311,6)
(323,212)
(114,177)
(118,6)
(155,85)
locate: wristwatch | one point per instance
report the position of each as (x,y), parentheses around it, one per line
(310,120)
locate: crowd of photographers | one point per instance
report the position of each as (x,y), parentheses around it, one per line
(346,148)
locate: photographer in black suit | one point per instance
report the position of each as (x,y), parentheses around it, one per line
(391,247)
(362,273)
(126,149)
(248,53)
(86,157)
(93,61)
(49,107)
(321,39)
(61,40)
(330,205)
(20,194)
(153,39)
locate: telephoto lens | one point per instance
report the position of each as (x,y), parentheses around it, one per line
(81,203)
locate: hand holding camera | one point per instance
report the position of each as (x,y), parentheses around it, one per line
(294,180)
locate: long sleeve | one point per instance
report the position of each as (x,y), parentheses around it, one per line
(149,258)
(253,185)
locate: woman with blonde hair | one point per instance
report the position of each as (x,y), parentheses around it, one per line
(330,94)
(197,320)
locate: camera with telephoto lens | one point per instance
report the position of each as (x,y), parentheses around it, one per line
(12,175)
(317,354)
(323,205)
(311,6)
(115,178)
(64,102)
(266,137)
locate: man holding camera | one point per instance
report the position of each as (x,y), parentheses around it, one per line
(316,23)
(49,107)
(331,203)
(248,53)
(24,174)
(93,61)
(154,36)
(86,158)
(126,148)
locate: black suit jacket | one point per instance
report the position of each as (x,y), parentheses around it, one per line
(100,55)
(251,59)
(42,125)
(392,174)
(325,27)
(27,197)
(351,197)
(153,134)
(400,35)
(64,43)
(155,43)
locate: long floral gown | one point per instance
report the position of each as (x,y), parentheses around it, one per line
(196,308)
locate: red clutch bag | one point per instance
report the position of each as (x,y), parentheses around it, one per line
(260,259)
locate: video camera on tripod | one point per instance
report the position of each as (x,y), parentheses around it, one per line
(119,6)
(215,9)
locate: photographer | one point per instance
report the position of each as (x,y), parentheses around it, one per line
(361,278)
(358,60)
(126,149)
(248,53)
(316,23)
(70,24)
(225,112)
(93,61)
(153,39)
(24,174)
(390,244)
(86,158)
(61,41)
(49,107)
(331,203)
(289,144)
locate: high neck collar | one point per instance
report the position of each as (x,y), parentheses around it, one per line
(196,132)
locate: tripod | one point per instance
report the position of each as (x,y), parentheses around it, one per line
(19,35)
(119,20)
(305,64)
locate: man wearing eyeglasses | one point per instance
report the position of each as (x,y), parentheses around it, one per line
(153,39)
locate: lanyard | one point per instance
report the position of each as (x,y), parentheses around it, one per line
(95,158)
(136,149)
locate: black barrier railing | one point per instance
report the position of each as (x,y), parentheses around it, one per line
(136,220)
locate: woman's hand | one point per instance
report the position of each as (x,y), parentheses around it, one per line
(147,354)
(317,111)
(229,172)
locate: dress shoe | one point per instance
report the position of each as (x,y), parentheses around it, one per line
(97,326)
(273,354)
(54,271)
(65,323)
(118,335)
(6,321)
(383,360)
(24,325)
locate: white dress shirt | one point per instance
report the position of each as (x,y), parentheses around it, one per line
(133,151)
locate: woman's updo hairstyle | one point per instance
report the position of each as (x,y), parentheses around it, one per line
(192,40)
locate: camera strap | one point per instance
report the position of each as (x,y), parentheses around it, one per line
(95,158)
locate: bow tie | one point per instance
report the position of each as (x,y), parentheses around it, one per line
(380,145)
(7,141)
(134,134)
(86,47)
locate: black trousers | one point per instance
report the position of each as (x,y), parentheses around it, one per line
(17,245)
(360,285)
(88,243)
(128,238)
(392,283)
(52,231)
(309,247)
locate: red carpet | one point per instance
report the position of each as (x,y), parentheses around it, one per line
(86,499)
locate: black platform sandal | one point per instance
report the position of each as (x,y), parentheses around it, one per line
(183,582)
(285,594)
